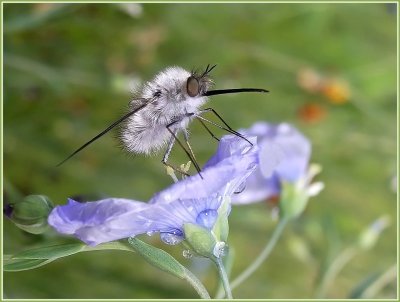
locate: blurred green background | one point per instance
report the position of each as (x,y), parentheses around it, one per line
(331,70)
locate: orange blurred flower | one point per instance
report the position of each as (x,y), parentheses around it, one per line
(311,113)
(310,80)
(336,90)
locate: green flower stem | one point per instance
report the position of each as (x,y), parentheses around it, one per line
(387,277)
(336,266)
(228,264)
(224,277)
(263,255)
(196,284)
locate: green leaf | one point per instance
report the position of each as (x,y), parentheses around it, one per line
(48,252)
(113,245)
(158,258)
(37,257)
(169,264)
(15,265)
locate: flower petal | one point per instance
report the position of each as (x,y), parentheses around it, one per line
(114,218)
(295,151)
(167,217)
(315,188)
(257,189)
(283,156)
(101,221)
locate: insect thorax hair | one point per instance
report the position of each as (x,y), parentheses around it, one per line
(166,100)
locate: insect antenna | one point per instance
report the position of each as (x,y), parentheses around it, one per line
(208,70)
(114,124)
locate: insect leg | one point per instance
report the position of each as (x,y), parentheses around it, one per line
(208,129)
(227,128)
(185,135)
(189,154)
(242,187)
(168,152)
(169,148)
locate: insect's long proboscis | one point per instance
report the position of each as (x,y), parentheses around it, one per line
(236,90)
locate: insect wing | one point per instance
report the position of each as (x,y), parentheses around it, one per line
(142,103)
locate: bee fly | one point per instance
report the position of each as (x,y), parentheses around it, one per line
(164,107)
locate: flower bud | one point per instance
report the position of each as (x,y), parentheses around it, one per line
(292,201)
(207,242)
(221,226)
(199,239)
(30,214)
(295,195)
(369,236)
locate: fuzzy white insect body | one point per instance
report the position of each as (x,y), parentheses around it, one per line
(168,102)
(163,108)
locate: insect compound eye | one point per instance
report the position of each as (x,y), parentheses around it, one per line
(192,87)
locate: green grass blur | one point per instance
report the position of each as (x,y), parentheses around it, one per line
(67,73)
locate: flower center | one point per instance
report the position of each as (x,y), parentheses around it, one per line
(207,218)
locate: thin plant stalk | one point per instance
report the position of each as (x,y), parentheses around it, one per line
(387,277)
(224,278)
(228,264)
(263,255)
(333,270)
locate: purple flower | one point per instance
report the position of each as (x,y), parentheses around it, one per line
(284,155)
(191,201)
(225,172)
